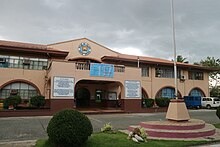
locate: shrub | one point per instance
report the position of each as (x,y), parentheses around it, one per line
(107,128)
(69,128)
(218,112)
(162,102)
(37,101)
(12,100)
(148,102)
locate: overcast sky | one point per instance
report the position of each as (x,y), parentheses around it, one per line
(138,27)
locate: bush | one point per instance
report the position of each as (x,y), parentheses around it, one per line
(162,102)
(37,101)
(148,102)
(107,128)
(218,112)
(12,100)
(69,128)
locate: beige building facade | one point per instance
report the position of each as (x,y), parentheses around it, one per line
(82,73)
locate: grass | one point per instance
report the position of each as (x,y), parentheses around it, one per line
(217,125)
(120,140)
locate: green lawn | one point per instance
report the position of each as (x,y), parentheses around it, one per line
(217,125)
(120,140)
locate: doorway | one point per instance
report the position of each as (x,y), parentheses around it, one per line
(82,97)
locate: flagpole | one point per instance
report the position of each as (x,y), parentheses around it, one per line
(174,48)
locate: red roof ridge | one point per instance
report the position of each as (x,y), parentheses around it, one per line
(22,44)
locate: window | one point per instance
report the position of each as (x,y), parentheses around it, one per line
(24,63)
(166,72)
(195,75)
(167,92)
(145,72)
(196,92)
(23,89)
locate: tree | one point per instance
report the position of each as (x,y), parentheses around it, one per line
(215,92)
(180,58)
(214,63)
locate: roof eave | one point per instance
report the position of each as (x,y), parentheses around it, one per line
(160,63)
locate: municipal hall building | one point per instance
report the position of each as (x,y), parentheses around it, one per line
(81,73)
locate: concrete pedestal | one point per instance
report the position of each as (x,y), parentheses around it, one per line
(177,111)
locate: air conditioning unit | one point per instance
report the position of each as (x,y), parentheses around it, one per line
(2,60)
(26,62)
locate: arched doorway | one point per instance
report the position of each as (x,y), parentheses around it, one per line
(82,97)
(98,94)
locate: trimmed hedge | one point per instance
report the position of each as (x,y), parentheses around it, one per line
(148,102)
(37,101)
(12,100)
(162,102)
(69,128)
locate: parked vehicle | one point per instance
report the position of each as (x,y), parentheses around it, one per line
(193,101)
(210,102)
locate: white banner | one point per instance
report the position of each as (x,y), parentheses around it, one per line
(63,87)
(132,89)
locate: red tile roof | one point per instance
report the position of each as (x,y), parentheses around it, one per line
(153,61)
(8,46)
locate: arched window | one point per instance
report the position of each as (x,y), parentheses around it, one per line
(167,92)
(196,92)
(25,90)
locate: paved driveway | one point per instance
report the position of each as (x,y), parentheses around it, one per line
(31,128)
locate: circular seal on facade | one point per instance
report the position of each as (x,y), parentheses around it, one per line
(84,48)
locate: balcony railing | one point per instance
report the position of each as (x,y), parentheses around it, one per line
(86,66)
(119,68)
(82,66)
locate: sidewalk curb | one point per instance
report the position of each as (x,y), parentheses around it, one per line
(25,143)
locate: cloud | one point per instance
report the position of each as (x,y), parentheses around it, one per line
(142,26)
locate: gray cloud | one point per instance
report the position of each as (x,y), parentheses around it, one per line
(117,24)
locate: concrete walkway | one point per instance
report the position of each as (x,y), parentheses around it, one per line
(26,143)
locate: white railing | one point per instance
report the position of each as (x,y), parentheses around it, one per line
(82,66)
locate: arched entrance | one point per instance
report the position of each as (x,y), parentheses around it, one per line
(82,97)
(98,94)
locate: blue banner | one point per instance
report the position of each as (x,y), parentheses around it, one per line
(101,70)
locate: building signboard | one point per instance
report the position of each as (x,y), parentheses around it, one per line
(63,87)
(102,70)
(132,89)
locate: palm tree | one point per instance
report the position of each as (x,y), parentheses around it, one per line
(181,59)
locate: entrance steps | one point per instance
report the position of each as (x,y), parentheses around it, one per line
(100,110)
(192,129)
